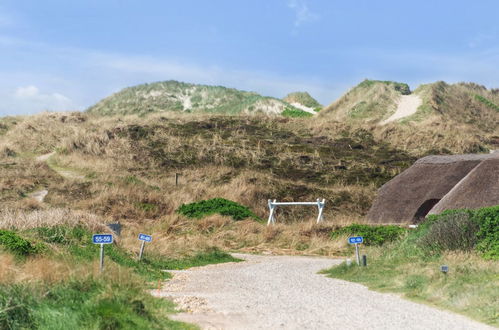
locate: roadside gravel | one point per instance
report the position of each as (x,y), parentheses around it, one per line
(285,292)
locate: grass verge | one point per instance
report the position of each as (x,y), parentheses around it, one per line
(464,240)
(59,286)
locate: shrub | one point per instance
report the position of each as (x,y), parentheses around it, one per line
(16,244)
(462,230)
(451,231)
(373,235)
(216,205)
(488,235)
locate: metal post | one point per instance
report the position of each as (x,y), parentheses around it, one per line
(357,253)
(176,179)
(271,215)
(364,260)
(320,205)
(101,258)
(142,250)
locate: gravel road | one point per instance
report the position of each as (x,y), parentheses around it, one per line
(285,292)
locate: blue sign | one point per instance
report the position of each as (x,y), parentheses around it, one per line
(355,240)
(144,237)
(102,239)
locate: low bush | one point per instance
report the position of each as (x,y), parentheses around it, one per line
(488,235)
(462,230)
(16,244)
(216,205)
(373,235)
(450,231)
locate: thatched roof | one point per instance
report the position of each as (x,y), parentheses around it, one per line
(408,197)
(479,188)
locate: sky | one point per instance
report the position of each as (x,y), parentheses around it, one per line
(63,55)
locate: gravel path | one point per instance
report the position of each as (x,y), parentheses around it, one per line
(284,292)
(408,105)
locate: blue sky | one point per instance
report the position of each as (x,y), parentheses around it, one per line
(66,55)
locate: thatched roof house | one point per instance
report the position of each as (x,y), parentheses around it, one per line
(437,183)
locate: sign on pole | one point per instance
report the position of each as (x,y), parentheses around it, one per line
(144,238)
(102,239)
(356,240)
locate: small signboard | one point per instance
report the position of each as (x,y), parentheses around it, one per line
(102,239)
(355,240)
(144,237)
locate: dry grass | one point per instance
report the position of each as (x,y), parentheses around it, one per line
(22,220)
(130,163)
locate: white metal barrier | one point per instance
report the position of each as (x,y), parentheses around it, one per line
(273,205)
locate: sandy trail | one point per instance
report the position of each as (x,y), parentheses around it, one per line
(408,105)
(285,292)
(67,173)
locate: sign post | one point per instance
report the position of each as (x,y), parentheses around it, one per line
(144,238)
(102,239)
(356,240)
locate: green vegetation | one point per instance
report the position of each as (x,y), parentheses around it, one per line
(174,96)
(487,102)
(364,109)
(12,242)
(116,299)
(303,98)
(78,242)
(463,230)
(402,88)
(92,303)
(411,264)
(216,205)
(295,113)
(373,235)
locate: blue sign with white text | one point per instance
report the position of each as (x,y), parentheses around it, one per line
(144,237)
(102,239)
(355,240)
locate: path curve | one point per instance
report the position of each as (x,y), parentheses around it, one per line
(407,105)
(285,292)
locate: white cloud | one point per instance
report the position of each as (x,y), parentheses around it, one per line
(302,13)
(30,97)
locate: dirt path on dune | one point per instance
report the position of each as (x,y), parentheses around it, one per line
(66,173)
(408,105)
(285,292)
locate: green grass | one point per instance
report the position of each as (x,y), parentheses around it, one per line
(411,265)
(373,235)
(216,206)
(403,88)
(487,102)
(78,242)
(93,303)
(87,302)
(295,113)
(16,244)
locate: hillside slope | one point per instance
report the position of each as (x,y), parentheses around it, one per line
(451,118)
(370,101)
(304,101)
(174,96)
